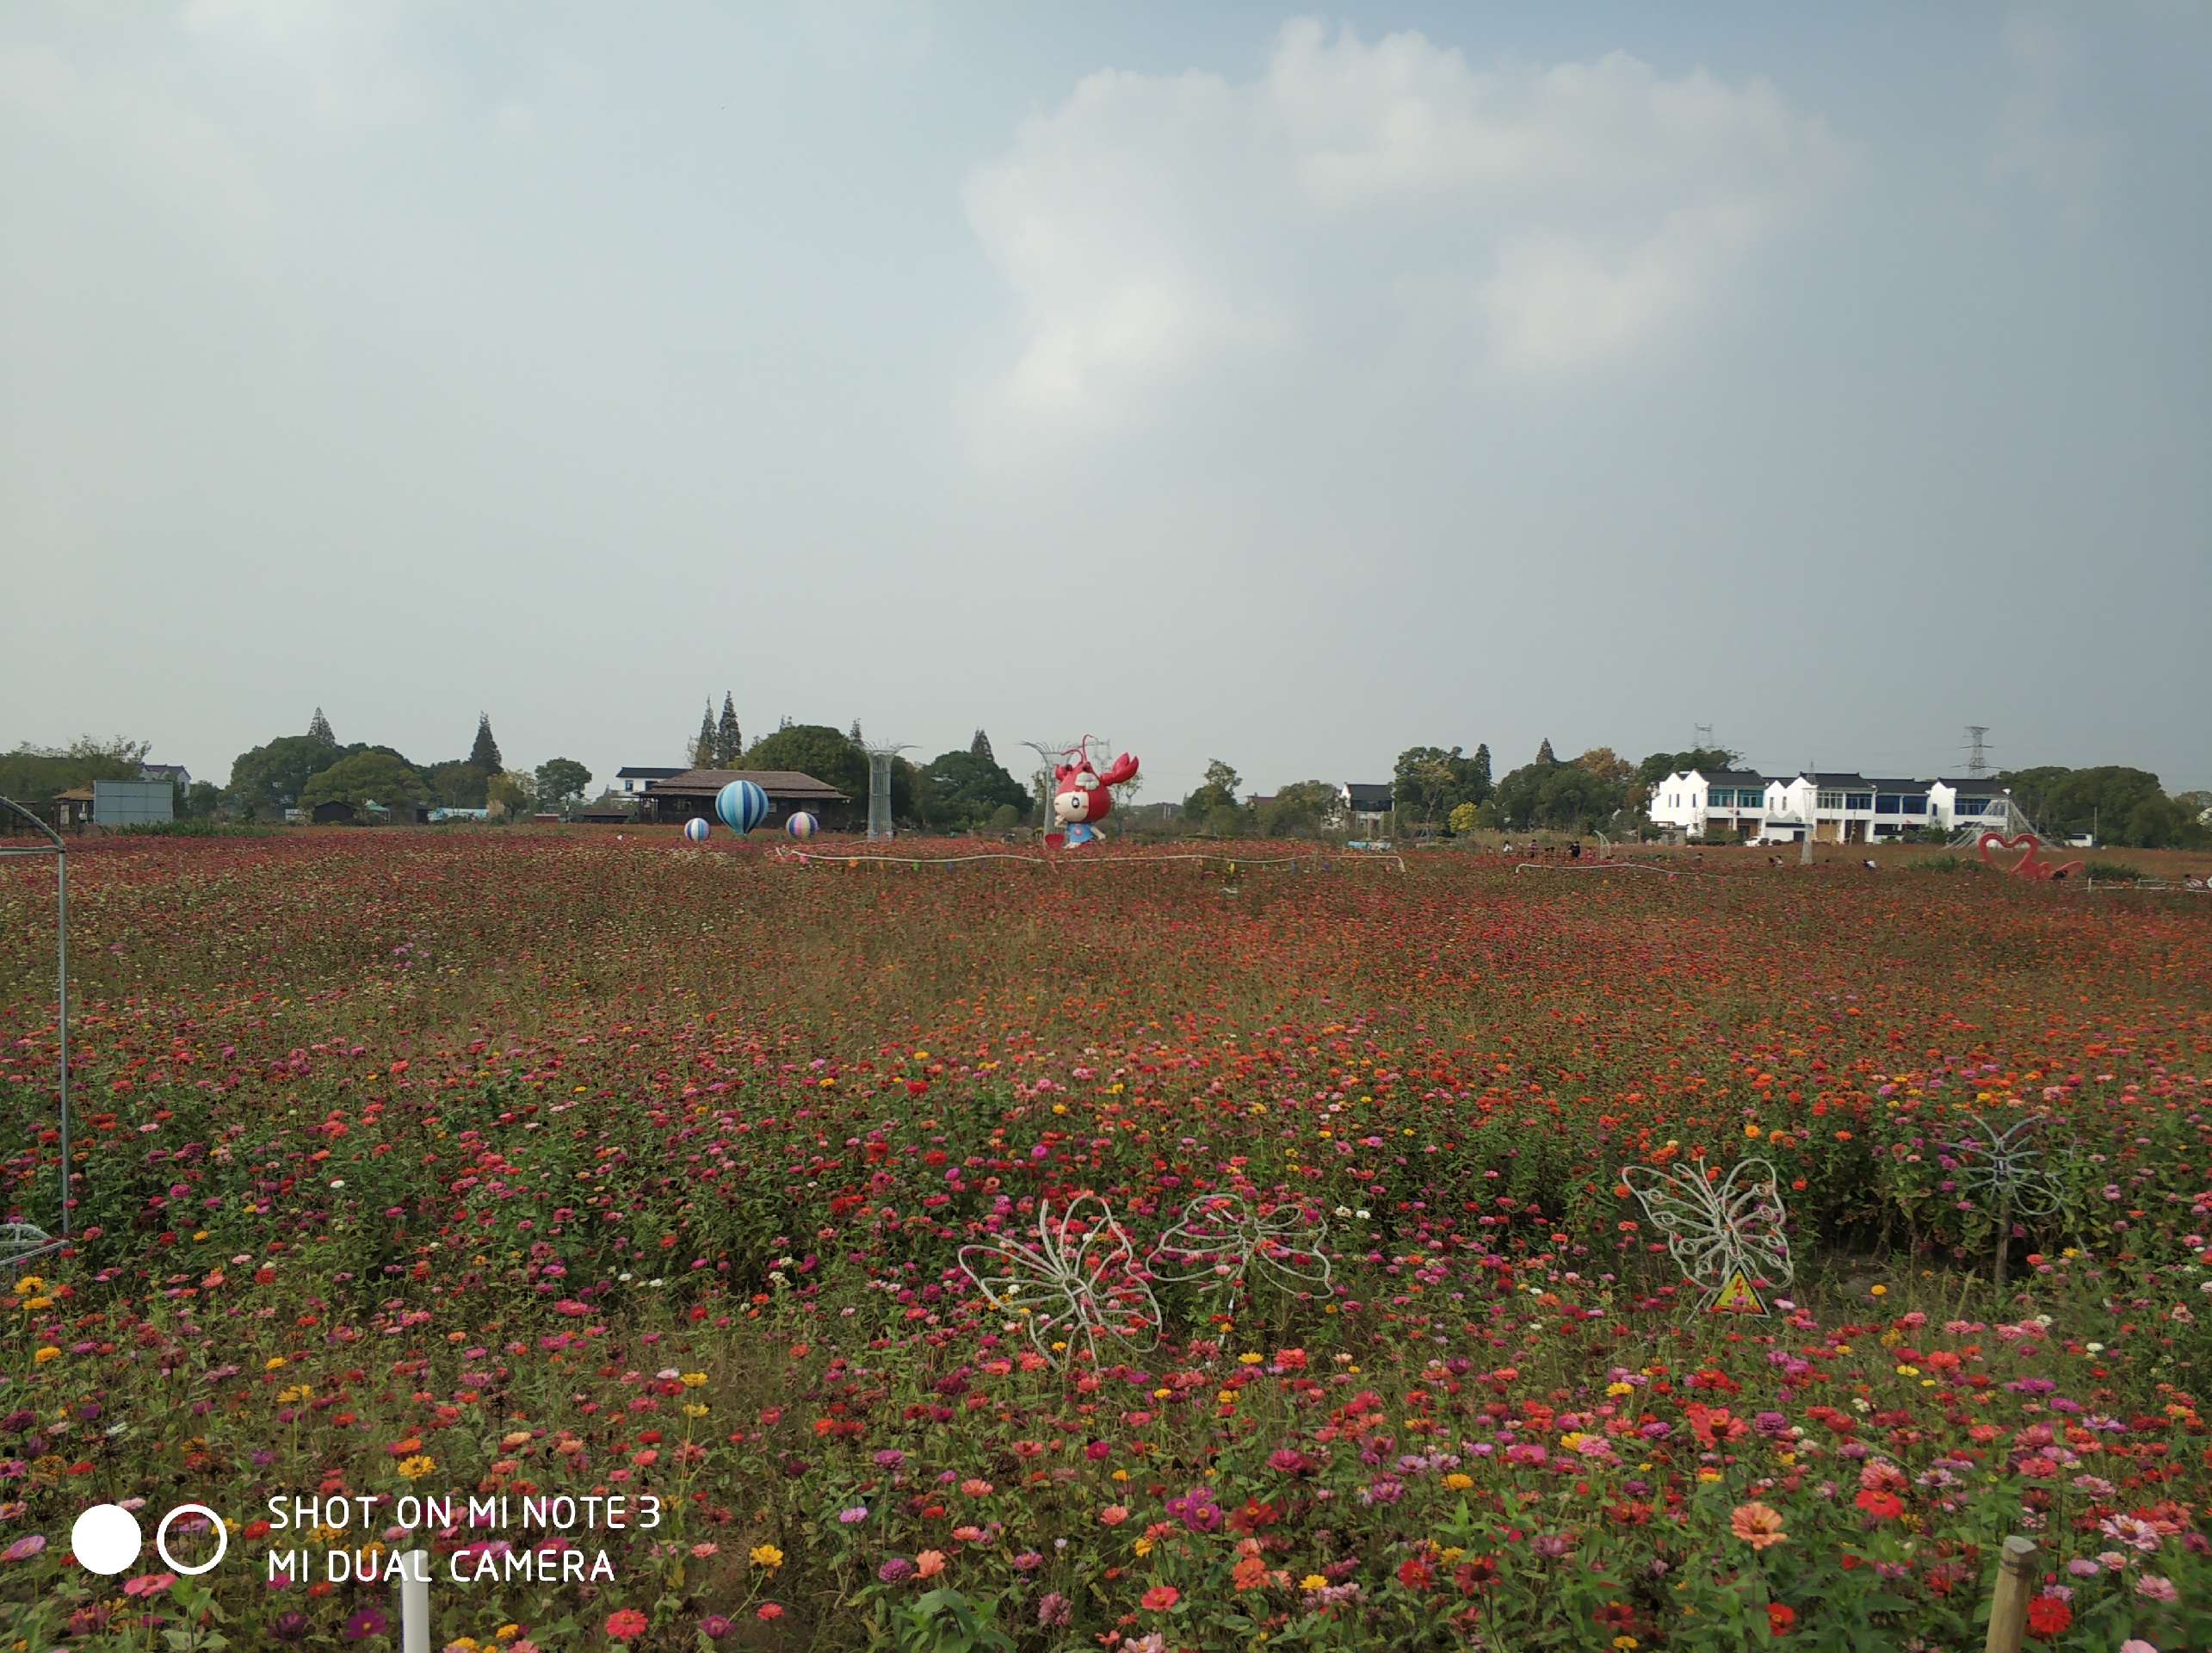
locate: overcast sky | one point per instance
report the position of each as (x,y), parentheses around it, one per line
(1227,381)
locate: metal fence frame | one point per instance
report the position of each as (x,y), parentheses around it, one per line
(56,846)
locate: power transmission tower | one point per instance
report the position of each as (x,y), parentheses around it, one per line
(1977,748)
(1701,737)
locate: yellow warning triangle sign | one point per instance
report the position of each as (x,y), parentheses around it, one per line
(1739,1297)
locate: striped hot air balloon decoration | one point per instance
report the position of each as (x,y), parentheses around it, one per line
(742,805)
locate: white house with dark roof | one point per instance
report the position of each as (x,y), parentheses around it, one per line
(1833,806)
(631,779)
(1700,804)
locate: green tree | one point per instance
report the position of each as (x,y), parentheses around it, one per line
(702,747)
(561,779)
(362,775)
(201,800)
(1301,809)
(2119,804)
(510,793)
(273,777)
(318,728)
(1544,752)
(1429,782)
(1218,791)
(818,750)
(980,747)
(963,790)
(729,739)
(483,756)
(458,784)
(1564,797)
(30,772)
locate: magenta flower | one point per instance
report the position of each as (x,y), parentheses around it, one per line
(363,1624)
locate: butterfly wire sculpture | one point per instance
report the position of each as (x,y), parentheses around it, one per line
(1223,1242)
(1080,1278)
(2008,1171)
(1717,1228)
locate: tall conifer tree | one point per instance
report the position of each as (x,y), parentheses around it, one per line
(703,749)
(484,754)
(318,728)
(729,740)
(980,747)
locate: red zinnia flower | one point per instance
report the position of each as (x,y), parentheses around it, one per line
(2048,1615)
(1160,1598)
(1414,1573)
(1882,1505)
(626,1624)
(1779,1618)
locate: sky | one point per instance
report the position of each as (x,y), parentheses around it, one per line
(1230,383)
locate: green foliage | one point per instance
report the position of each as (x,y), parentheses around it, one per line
(483,756)
(729,739)
(1429,781)
(2119,804)
(362,775)
(1560,797)
(945,1621)
(36,772)
(1217,792)
(1301,809)
(559,779)
(202,827)
(818,750)
(200,801)
(2113,872)
(273,777)
(704,753)
(511,792)
(962,791)
(458,784)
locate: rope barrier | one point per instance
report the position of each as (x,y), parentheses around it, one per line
(1605,866)
(805,858)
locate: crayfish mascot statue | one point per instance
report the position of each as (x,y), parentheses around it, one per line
(1080,799)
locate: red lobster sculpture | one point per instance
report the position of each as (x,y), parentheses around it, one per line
(1080,799)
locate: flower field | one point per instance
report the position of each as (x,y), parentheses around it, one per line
(1148,1254)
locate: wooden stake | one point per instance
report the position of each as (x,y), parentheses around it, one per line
(2008,1609)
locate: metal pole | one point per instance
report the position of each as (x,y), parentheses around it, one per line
(414,1602)
(2004,1232)
(61,997)
(2008,1609)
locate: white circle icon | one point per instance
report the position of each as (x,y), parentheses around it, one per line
(106,1539)
(161,1539)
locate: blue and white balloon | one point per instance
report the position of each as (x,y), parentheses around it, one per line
(742,805)
(802,825)
(697,829)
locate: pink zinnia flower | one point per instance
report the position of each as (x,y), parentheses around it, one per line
(1160,1598)
(626,1624)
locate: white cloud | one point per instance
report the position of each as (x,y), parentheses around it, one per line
(1546,217)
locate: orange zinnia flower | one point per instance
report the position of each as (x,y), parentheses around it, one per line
(1757,1524)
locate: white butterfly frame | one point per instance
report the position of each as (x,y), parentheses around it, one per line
(1716,1229)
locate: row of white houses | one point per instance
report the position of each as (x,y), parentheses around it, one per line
(1834,808)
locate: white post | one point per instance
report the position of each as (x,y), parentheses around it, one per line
(415,1601)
